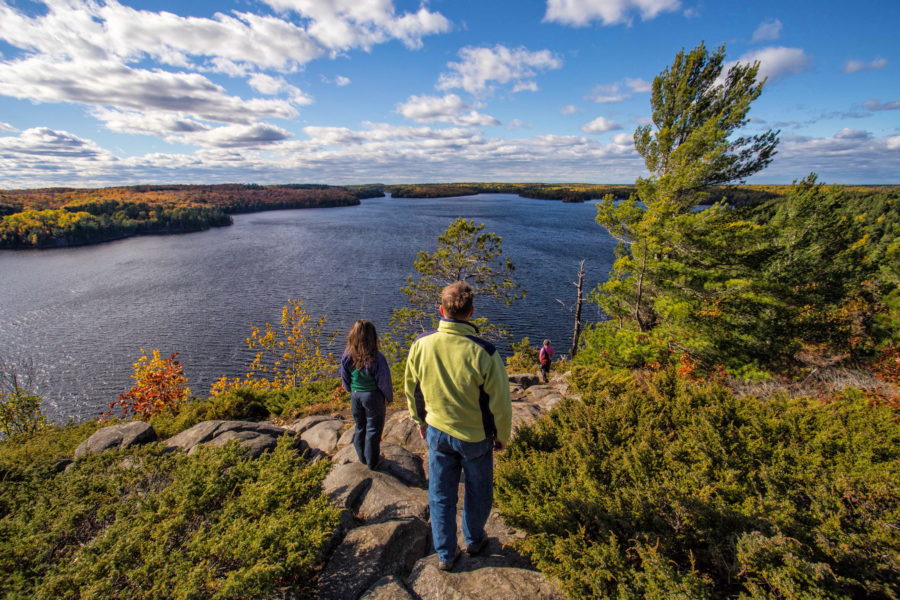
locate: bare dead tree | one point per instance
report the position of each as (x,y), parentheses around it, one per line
(19,372)
(579,300)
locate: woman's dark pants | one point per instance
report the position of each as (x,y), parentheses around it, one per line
(368,412)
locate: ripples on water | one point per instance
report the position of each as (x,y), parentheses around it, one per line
(83,313)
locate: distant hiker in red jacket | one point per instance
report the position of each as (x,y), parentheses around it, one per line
(546,357)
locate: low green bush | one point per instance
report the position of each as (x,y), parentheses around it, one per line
(245,403)
(622,347)
(22,453)
(524,358)
(665,488)
(143,524)
(20,412)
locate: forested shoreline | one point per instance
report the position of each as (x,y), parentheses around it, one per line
(61,217)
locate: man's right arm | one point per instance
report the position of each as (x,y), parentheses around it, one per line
(411,385)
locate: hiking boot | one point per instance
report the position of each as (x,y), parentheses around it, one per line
(446,565)
(476,548)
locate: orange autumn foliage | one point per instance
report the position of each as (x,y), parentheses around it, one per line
(159,385)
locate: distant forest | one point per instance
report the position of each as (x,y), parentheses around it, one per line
(60,217)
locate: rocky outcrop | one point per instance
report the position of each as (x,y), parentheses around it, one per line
(388,588)
(377,560)
(524,380)
(256,438)
(400,429)
(324,435)
(369,553)
(117,437)
(479,578)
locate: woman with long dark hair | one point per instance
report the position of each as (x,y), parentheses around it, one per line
(366,375)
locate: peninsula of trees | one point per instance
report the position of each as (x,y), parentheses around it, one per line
(56,217)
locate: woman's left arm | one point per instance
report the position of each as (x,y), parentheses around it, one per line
(383,378)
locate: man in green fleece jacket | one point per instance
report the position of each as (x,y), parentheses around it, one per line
(458,393)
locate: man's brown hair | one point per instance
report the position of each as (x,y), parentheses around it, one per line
(456,299)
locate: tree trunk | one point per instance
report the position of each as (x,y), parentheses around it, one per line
(578,301)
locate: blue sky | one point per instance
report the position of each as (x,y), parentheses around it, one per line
(352,91)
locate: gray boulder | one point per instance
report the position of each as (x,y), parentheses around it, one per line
(387,498)
(345,455)
(256,438)
(525,413)
(402,464)
(373,496)
(396,461)
(371,552)
(346,483)
(301,425)
(116,437)
(323,436)
(403,431)
(388,588)
(480,578)
(254,443)
(537,392)
(524,380)
(346,438)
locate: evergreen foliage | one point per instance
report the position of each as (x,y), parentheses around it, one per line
(524,357)
(755,287)
(164,525)
(465,252)
(666,488)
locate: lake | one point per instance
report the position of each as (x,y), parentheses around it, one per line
(82,314)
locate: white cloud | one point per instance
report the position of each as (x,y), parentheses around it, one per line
(600,125)
(447,109)
(104,83)
(163,124)
(232,136)
(768,30)
(6,127)
(111,31)
(854,66)
(568,110)
(776,62)
(517,124)
(46,144)
(344,24)
(853,134)
(183,129)
(481,66)
(266,84)
(878,105)
(619,91)
(94,52)
(341,81)
(609,12)
(42,157)
(638,85)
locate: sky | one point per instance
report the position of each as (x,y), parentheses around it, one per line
(98,92)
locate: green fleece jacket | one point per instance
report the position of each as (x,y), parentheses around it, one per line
(457,383)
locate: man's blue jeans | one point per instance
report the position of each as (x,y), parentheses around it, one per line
(447,457)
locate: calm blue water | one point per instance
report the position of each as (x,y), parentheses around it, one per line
(81,314)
